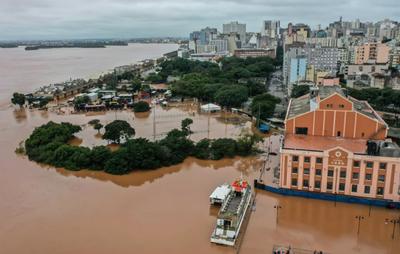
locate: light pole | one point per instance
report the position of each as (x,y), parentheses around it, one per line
(394,222)
(359,218)
(277,207)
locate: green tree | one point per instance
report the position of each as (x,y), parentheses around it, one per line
(223,147)
(141,106)
(99,157)
(98,127)
(117,130)
(43,102)
(118,164)
(300,90)
(202,149)
(94,121)
(263,105)
(81,100)
(231,96)
(185,125)
(246,142)
(136,85)
(18,99)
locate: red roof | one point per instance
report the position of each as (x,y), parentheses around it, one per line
(239,185)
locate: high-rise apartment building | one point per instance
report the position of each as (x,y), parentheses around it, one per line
(371,52)
(235,27)
(271,28)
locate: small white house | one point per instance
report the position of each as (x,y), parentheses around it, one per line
(210,108)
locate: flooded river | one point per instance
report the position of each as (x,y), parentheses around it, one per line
(48,210)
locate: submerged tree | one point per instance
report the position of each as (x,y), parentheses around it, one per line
(185,125)
(118,129)
(18,99)
(98,127)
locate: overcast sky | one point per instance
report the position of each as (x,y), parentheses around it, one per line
(58,19)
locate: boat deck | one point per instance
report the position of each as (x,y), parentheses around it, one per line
(233,204)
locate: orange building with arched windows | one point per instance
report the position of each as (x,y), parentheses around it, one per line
(336,144)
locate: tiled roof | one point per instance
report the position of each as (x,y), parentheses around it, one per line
(320,143)
(301,105)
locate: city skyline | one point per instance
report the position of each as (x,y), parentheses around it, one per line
(45,19)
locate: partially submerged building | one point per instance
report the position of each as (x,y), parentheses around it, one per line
(335,144)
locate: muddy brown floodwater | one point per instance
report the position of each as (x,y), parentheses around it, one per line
(48,210)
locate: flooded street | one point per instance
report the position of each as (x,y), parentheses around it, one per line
(48,210)
(59,211)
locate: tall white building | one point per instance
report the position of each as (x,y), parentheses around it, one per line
(235,27)
(271,28)
(221,45)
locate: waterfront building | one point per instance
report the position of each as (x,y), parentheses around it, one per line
(336,144)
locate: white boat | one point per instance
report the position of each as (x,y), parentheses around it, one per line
(232,213)
(219,194)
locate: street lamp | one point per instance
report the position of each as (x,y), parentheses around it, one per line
(394,222)
(277,207)
(359,218)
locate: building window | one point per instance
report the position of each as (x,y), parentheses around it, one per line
(342,186)
(356,175)
(369,164)
(330,173)
(306,171)
(329,105)
(305,183)
(379,191)
(354,188)
(341,106)
(301,130)
(295,170)
(367,189)
(342,174)
(381,178)
(356,164)
(307,159)
(295,158)
(329,185)
(294,181)
(382,165)
(368,177)
(317,184)
(318,172)
(319,160)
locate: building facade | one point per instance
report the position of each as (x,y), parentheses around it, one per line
(336,144)
(244,53)
(372,52)
(235,27)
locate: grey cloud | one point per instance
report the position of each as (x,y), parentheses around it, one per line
(25,19)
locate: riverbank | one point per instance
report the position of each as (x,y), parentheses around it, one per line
(25,71)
